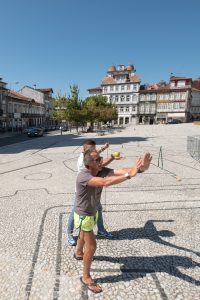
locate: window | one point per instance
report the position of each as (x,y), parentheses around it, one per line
(175,105)
(15,108)
(19,108)
(128,87)
(127,108)
(182,105)
(170,106)
(152,108)
(135,87)
(147,108)
(153,96)
(172,84)
(105,89)
(148,97)
(135,98)
(122,87)
(181,83)
(126,120)
(177,96)
(128,98)
(116,88)
(122,98)
(183,95)
(111,88)
(142,97)
(116,98)
(121,109)
(133,107)
(120,68)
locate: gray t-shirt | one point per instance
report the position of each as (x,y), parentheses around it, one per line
(88,197)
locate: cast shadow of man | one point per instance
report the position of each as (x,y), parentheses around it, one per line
(150,232)
(140,266)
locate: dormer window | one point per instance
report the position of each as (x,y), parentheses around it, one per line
(120,68)
(181,83)
(172,84)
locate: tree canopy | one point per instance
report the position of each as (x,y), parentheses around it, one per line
(92,109)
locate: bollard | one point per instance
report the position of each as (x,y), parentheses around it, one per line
(160,157)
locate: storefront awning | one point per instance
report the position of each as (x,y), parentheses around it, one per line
(176,115)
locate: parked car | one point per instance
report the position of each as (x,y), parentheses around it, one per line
(2,129)
(35,132)
(26,130)
(174,121)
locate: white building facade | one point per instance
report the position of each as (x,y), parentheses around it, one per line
(44,98)
(121,87)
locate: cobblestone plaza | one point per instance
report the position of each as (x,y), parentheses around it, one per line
(154,217)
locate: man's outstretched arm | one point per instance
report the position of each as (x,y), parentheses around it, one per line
(111,180)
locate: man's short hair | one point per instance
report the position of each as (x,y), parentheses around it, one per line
(89,142)
(87,159)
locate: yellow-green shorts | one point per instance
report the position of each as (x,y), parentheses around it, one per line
(85,223)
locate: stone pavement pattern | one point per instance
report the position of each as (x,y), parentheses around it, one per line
(155,253)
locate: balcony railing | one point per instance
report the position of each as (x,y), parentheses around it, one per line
(27,115)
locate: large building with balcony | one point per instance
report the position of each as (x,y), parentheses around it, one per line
(151,103)
(121,87)
(44,98)
(28,107)
(174,100)
(147,104)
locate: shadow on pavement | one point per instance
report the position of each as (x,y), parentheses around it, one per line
(141,266)
(150,232)
(67,140)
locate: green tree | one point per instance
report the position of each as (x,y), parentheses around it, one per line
(99,110)
(74,107)
(59,107)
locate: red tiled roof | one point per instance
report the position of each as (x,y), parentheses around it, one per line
(196,83)
(195,90)
(98,88)
(45,90)
(110,80)
(135,78)
(179,78)
(19,96)
(107,80)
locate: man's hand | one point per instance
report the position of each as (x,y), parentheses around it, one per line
(136,167)
(104,147)
(117,157)
(146,160)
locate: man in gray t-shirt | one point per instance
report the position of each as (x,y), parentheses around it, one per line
(89,185)
(88,197)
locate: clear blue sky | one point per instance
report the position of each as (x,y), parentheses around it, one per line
(57,43)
